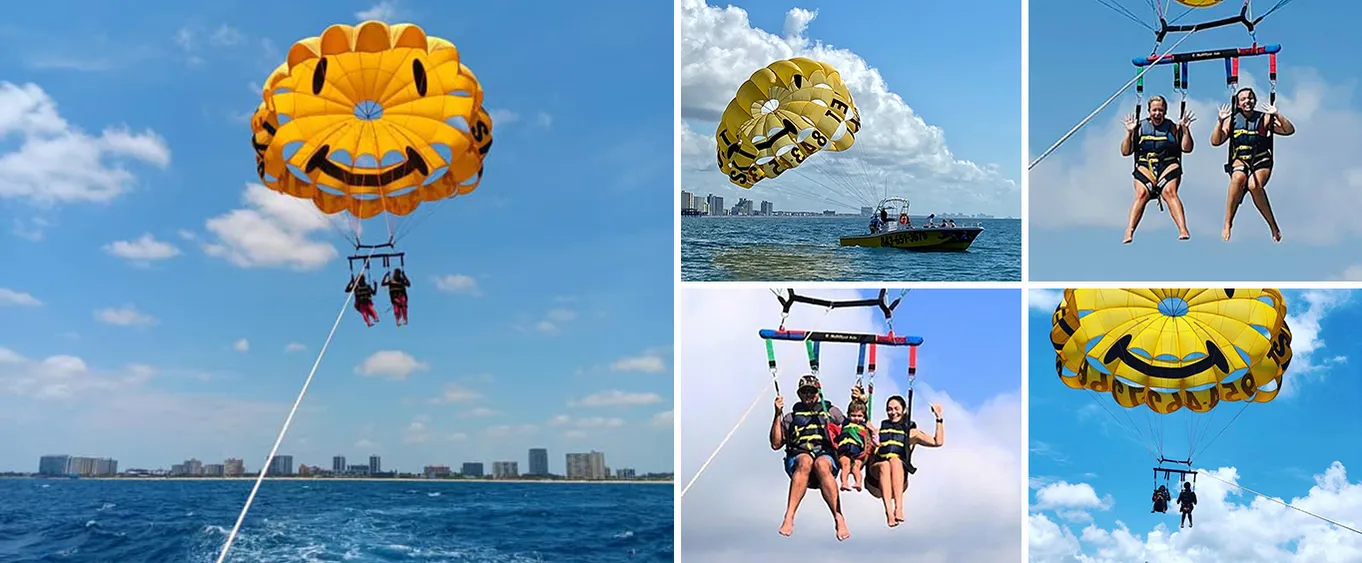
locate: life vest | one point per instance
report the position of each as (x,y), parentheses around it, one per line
(853,433)
(894,439)
(1250,137)
(903,219)
(363,291)
(1158,145)
(810,431)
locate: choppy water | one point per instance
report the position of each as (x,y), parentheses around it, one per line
(292,521)
(805,249)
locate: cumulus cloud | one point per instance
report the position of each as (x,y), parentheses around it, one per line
(392,364)
(648,362)
(10,297)
(1232,526)
(1307,361)
(145,248)
(455,393)
(294,347)
(457,283)
(1044,300)
(272,231)
(1318,159)
(385,11)
(127,315)
(720,47)
(242,345)
(56,162)
(554,319)
(616,398)
(61,376)
(964,504)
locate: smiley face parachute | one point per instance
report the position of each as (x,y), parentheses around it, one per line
(780,119)
(371,120)
(1165,351)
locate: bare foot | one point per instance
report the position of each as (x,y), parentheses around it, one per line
(842,532)
(857,486)
(1130,235)
(1276,236)
(787,528)
(889,518)
(1184,236)
(1225,234)
(844,487)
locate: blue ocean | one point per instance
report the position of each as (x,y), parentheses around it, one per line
(183,521)
(805,249)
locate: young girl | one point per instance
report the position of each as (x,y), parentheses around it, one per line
(853,444)
(897,435)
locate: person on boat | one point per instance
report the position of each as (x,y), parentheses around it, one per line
(397,284)
(875,224)
(807,433)
(897,436)
(1158,145)
(884,215)
(952,223)
(1161,498)
(364,297)
(1186,502)
(1250,130)
(854,445)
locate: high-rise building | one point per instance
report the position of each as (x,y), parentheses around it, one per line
(471,469)
(716,204)
(625,473)
(505,469)
(375,464)
(687,200)
(214,470)
(586,466)
(338,464)
(192,467)
(767,208)
(436,471)
(539,461)
(233,467)
(281,465)
(54,465)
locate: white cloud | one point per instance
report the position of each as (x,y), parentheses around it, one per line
(554,319)
(480,412)
(1306,340)
(393,364)
(1228,529)
(242,345)
(294,347)
(647,362)
(616,398)
(1319,159)
(273,230)
(586,422)
(1071,501)
(664,419)
(455,393)
(127,315)
(418,432)
(10,297)
(457,283)
(720,49)
(143,249)
(56,162)
(1044,300)
(385,11)
(964,504)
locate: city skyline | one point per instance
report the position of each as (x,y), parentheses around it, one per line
(708,205)
(285,464)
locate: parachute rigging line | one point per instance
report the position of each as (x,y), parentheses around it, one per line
(1104,105)
(231,537)
(1291,506)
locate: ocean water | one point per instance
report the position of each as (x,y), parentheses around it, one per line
(805,249)
(182,521)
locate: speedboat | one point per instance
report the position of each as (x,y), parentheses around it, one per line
(898,232)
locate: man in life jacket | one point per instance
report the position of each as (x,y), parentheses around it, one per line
(808,434)
(1250,130)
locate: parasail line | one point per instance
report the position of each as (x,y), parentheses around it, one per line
(227,546)
(1104,105)
(724,442)
(1279,501)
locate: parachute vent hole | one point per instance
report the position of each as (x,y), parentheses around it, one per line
(418,76)
(319,76)
(770,106)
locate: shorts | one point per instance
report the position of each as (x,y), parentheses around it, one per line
(1156,188)
(790,462)
(1257,162)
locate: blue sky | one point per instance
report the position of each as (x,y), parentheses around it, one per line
(1081,194)
(1088,470)
(965,503)
(922,132)
(541,310)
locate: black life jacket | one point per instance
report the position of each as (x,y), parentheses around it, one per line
(1157,144)
(894,438)
(1250,137)
(811,431)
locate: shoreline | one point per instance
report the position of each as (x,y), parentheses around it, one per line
(364,479)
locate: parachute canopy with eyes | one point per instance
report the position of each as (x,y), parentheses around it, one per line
(782,115)
(370,119)
(1172,348)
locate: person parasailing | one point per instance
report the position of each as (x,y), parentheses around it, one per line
(1157,144)
(1250,129)
(397,284)
(364,297)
